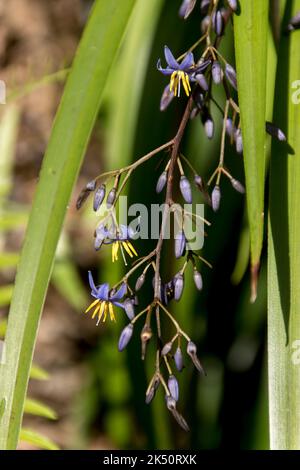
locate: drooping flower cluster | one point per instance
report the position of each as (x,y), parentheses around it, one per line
(197,77)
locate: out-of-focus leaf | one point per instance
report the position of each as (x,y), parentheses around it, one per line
(6,295)
(250,33)
(9,125)
(37,408)
(37,439)
(8,260)
(70,135)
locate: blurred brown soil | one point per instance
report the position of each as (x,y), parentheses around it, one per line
(39,37)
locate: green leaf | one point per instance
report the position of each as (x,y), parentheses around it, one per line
(70,135)
(250,34)
(284,253)
(36,408)
(37,439)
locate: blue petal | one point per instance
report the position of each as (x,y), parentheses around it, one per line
(123,232)
(120,293)
(118,304)
(166,71)
(187,62)
(170,59)
(92,284)
(103,291)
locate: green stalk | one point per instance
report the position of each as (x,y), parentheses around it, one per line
(250,34)
(284,254)
(70,135)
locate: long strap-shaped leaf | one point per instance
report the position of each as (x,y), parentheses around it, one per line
(70,135)
(250,33)
(284,251)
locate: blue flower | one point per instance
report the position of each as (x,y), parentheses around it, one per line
(184,72)
(106,299)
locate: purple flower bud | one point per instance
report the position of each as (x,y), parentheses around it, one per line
(166,98)
(129,308)
(192,352)
(201,80)
(171,403)
(180,243)
(294,22)
(198,279)
(150,395)
(229,126)
(204,6)
(274,131)
(216,198)
(238,141)
(218,23)
(161,182)
(209,128)
(185,189)
(178,286)
(140,281)
(167,348)
(198,182)
(178,358)
(186,8)
(84,194)
(233,4)
(231,76)
(237,186)
(111,197)
(91,185)
(204,24)
(125,337)
(173,387)
(216,72)
(99,196)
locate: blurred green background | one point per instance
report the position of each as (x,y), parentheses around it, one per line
(98,393)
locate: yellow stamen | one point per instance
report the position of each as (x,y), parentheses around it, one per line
(92,305)
(96,311)
(114,251)
(177,77)
(111,312)
(105,312)
(100,313)
(127,249)
(130,245)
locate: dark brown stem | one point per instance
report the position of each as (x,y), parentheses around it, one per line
(169,192)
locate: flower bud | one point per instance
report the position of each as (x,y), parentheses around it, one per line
(198,279)
(146,335)
(237,186)
(161,182)
(201,80)
(186,8)
(233,4)
(205,24)
(91,185)
(140,281)
(218,23)
(166,98)
(274,131)
(111,197)
(216,71)
(171,403)
(229,127)
(99,196)
(185,189)
(231,76)
(125,337)
(294,22)
(192,352)
(180,243)
(178,358)
(129,308)
(167,348)
(178,286)
(216,198)
(204,6)
(173,387)
(238,141)
(209,128)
